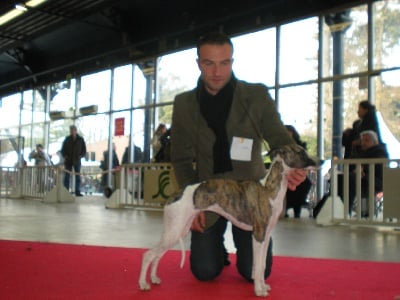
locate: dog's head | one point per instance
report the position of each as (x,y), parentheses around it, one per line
(294,156)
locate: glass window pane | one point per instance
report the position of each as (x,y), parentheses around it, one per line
(254,56)
(9,112)
(58,130)
(298,107)
(94,129)
(64,100)
(138,128)
(139,87)
(29,108)
(299,51)
(177,73)
(356,41)
(327,119)
(164,115)
(95,90)
(386,33)
(353,94)
(122,87)
(387,101)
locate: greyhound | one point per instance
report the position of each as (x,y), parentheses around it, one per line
(250,205)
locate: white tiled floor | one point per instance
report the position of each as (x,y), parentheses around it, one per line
(88,222)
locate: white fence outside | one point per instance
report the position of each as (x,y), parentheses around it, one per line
(371,206)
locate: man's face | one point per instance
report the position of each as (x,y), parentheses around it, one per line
(367,142)
(72,131)
(215,64)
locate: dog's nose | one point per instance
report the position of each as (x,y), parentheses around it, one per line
(311,163)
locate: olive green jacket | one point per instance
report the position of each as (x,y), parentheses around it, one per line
(253,115)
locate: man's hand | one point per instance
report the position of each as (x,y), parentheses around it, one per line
(296,177)
(199,222)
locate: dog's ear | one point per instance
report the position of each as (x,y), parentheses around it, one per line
(276,151)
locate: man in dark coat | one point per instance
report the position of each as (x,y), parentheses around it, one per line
(137,155)
(221,125)
(73,149)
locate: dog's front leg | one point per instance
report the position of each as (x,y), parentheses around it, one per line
(260,288)
(264,253)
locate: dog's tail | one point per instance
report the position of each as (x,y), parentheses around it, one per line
(183,255)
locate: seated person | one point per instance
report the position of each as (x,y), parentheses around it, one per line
(370,148)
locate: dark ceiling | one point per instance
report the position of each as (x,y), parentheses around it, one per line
(62,38)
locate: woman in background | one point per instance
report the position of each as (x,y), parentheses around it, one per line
(297,198)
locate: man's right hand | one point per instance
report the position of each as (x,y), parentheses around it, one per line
(199,222)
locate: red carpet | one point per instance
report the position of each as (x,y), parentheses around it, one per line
(30,270)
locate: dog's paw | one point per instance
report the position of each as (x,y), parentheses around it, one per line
(261,293)
(155,280)
(144,286)
(261,290)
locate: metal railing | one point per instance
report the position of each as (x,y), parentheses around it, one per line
(365,201)
(8,181)
(37,181)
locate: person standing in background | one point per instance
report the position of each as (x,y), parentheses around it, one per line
(72,150)
(297,198)
(156,139)
(41,158)
(104,165)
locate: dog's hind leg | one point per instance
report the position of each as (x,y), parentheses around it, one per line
(147,259)
(153,256)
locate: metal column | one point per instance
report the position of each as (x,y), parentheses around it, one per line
(277,63)
(46,133)
(371,52)
(110,134)
(19,138)
(131,149)
(338,23)
(148,72)
(320,116)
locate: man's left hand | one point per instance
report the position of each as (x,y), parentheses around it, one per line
(295,177)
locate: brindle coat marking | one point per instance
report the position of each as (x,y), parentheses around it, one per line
(248,205)
(246,201)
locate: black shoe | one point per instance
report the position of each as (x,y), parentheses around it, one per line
(78,195)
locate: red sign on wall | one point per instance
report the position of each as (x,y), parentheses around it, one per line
(119,126)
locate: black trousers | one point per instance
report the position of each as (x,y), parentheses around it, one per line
(207,252)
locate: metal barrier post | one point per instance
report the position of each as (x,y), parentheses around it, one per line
(59,193)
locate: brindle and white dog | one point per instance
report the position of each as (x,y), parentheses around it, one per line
(249,205)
